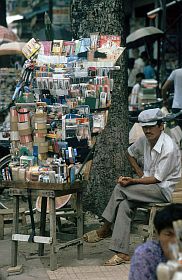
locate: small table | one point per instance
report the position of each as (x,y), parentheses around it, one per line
(51,191)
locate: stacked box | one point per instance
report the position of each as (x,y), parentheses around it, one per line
(40,132)
(24,127)
(14,134)
(148,94)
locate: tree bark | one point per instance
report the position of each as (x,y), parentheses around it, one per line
(109,161)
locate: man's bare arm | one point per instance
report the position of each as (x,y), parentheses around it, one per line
(165,89)
(125,181)
(135,165)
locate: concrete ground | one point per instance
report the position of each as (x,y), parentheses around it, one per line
(91,267)
(34,267)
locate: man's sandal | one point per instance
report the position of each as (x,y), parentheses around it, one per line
(92,236)
(116,260)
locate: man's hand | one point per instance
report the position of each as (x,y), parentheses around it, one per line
(125,181)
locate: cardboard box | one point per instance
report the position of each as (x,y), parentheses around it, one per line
(42,132)
(14,126)
(25,132)
(40,117)
(26,139)
(39,139)
(14,136)
(42,147)
(13,119)
(40,126)
(23,125)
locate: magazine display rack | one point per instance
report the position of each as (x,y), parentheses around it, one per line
(62,85)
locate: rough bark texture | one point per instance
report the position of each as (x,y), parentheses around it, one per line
(106,17)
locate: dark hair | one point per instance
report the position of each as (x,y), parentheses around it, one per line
(164,218)
(144,54)
(153,61)
(140,75)
(159,122)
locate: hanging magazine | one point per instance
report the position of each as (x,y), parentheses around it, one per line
(31,48)
(57,47)
(68,48)
(109,41)
(45,47)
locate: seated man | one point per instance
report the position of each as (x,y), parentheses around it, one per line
(156,182)
(148,255)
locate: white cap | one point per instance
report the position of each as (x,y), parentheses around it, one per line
(150,117)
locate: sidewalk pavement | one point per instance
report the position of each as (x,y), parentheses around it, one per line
(69,268)
(90,273)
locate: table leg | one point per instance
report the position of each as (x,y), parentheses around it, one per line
(42,224)
(79,209)
(1,227)
(14,244)
(53,254)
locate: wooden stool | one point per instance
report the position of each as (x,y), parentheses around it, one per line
(8,213)
(153,207)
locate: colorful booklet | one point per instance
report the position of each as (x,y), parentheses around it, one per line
(45,47)
(57,47)
(30,48)
(85,45)
(68,48)
(109,41)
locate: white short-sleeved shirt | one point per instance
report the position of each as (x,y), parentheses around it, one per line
(176,77)
(163,161)
(135,94)
(139,65)
(132,77)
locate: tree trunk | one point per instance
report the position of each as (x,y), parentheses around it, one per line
(3,13)
(109,162)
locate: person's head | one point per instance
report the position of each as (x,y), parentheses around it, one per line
(163,222)
(139,77)
(151,121)
(144,56)
(135,53)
